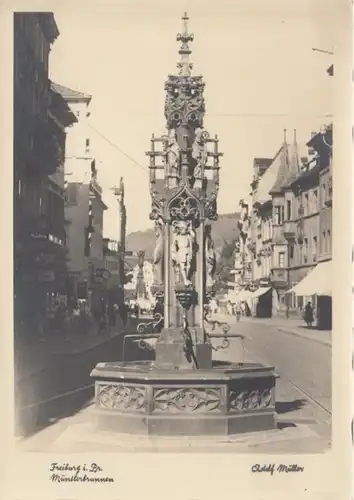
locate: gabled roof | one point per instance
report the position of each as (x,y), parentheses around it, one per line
(71,95)
(293,164)
(268,180)
(282,169)
(61,109)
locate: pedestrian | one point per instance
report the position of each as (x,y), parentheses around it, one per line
(123,313)
(112,315)
(136,310)
(103,326)
(238,311)
(308,315)
(229,308)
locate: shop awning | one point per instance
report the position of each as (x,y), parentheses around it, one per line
(261,291)
(317,282)
(242,296)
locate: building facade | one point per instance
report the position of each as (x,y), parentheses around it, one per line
(84,206)
(269,245)
(291,231)
(311,231)
(38,153)
(54,257)
(261,233)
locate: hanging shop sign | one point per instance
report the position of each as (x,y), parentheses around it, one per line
(103,273)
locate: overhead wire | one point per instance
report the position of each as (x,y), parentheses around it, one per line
(118,148)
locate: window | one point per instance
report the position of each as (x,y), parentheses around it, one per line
(329,238)
(314,248)
(279,215)
(87,145)
(282,259)
(324,194)
(293,299)
(291,250)
(330,189)
(314,244)
(324,242)
(19,188)
(305,249)
(306,204)
(288,210)
(315,200)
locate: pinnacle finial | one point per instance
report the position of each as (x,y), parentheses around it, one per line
(184,65)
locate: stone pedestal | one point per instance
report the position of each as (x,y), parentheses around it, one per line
(227,399)
(170,350)
(172,355)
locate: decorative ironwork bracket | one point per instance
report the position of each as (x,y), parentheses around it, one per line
(152,326)
(140,341)
(225,335)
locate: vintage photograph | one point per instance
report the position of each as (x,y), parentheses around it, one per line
(173,228)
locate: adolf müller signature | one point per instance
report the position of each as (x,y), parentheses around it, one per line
(272,468)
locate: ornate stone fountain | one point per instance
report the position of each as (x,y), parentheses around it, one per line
(184,391)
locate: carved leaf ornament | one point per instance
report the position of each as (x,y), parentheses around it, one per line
(187,400)
(250,400)
(122,397)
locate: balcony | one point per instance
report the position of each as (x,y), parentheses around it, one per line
(279,278)
(289,230)
(47,152)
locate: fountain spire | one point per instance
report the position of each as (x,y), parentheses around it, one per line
(184,65)
(183,391)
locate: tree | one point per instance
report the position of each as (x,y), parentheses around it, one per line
(225,264)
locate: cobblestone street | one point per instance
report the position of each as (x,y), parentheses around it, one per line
(303,403)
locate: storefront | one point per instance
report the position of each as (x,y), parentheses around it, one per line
(318,283)
(262,302)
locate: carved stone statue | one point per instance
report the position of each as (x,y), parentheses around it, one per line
(199,152)
(173,151)
(183,250)
(210,257)
(158,253)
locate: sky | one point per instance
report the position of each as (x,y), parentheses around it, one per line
(256,57)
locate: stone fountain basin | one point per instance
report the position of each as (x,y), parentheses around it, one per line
(142,398)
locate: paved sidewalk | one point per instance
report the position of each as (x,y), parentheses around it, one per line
(79,434)
(34,356)
(292,326)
